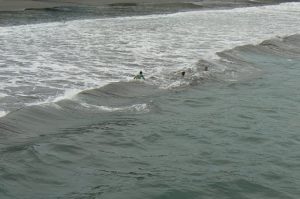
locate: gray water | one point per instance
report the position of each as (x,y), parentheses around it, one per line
(231,133)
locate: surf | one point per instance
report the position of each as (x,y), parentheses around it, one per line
(84,54)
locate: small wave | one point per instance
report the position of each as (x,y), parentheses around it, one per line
(68,94)
(133,108)
(3,95)
(120,97)
(3,113)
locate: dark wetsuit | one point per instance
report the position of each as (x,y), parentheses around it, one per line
(139,76)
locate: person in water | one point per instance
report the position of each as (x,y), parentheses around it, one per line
(182,73)
(140,76)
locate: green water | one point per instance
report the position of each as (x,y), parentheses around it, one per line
(214,140)
(225,140)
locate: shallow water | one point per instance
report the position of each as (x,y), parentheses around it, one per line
(231,132)
(40,62)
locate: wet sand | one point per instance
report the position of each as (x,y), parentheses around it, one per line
(12,5)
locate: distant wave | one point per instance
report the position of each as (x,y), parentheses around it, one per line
(234,62)
(282,46)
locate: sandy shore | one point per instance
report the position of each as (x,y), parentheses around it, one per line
(13,5)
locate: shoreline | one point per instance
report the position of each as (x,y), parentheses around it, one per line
(21,5)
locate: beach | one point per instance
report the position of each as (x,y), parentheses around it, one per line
(16,5)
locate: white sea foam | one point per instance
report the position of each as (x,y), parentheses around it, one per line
(3,113)
(68,94)
(3,95)
(142,108)
(83,54)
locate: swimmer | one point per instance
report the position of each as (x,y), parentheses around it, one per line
(140,76)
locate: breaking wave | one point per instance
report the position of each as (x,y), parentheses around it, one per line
(135,97)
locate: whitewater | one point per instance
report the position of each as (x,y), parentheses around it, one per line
(41,62)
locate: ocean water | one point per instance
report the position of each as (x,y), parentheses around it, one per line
(75,125)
